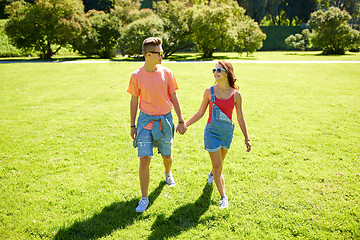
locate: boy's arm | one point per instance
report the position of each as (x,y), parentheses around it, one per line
(133,111)
(181,127)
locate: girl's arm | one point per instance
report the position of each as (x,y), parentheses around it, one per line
(241,119)
(200,113)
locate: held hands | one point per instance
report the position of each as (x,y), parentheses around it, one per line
(181,128)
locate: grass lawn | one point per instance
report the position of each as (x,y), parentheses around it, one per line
(68,169)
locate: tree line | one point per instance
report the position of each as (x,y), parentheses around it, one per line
(46,26)
(49,25)
(274,12)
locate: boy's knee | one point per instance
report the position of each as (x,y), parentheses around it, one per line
(168,157)
(145,160)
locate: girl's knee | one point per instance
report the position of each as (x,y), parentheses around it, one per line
(216,169)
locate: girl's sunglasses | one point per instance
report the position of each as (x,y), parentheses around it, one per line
(218,70)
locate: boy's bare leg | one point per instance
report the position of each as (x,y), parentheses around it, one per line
(144,175)
(167,160)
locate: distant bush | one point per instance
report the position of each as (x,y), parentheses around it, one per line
(331,31)
(299,41)
(101,33)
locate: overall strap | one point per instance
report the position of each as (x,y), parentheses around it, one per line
(212,94)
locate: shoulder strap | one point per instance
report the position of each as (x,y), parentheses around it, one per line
(212,94)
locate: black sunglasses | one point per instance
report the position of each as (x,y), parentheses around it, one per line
(159,53)
(218,70)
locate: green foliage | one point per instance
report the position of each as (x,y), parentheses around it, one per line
(129,10)
(331,31)
(101,35)
(212,28)
(250,37)
(177,25)
(299,41)
(135,33)
(224,26)
(281,12)
(276,35)
(6,49)
(45,26)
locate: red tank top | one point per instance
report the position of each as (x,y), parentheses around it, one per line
(225,105)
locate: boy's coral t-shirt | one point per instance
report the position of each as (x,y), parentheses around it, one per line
(153,90)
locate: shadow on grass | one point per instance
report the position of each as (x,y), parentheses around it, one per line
(320,54)
(118,215)
(183,218)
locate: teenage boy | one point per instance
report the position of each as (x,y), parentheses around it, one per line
(152,88)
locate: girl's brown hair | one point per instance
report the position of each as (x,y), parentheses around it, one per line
(230,73)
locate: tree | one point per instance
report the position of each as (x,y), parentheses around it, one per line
(222,25)
(256,9)
(176,18)
(212,27)
(128,11)
(136,32)
(273,10)
(331,31)
(101,35)
(299,10)
(45,26)
(250,38)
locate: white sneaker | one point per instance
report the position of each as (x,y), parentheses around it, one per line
(210,178)
(143,204)
(224,202)
(170,179)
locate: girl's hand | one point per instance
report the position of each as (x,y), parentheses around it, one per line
(248,145)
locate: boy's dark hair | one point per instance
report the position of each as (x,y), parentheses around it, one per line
(150,42)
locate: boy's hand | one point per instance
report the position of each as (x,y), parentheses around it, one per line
(181,128)
(133,133)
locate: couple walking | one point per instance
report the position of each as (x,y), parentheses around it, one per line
(153,90)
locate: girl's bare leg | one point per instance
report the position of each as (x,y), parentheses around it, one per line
(217,159)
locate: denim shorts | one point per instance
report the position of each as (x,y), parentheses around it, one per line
(217,137)
(146,143)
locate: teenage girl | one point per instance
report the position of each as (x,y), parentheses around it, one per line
(219,130)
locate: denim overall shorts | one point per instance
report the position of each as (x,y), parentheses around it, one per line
(219,133)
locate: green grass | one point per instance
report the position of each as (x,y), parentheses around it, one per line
(68,169)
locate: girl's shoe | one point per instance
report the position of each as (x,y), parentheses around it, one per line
(210,178)
(224,202)
(170,179)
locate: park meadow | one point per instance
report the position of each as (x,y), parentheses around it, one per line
(68,169)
